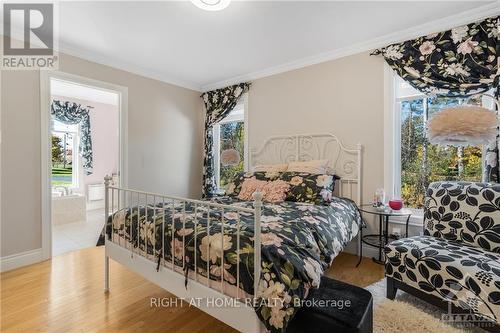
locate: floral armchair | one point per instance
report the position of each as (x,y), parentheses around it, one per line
(455,264)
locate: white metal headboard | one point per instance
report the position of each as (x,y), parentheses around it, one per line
(344,162)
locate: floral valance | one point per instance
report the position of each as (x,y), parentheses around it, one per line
(457,62)
(71,114)
(218,104)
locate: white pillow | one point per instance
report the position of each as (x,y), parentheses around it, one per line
(270,168)
(313,166)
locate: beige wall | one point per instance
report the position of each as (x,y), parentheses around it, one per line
(165,144)
(344,97)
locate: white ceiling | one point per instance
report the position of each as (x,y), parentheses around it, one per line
(179,43)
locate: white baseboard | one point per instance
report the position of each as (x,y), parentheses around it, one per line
(17,260)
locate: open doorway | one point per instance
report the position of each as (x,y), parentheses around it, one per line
(84,126)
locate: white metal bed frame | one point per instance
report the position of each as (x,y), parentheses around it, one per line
(344,162)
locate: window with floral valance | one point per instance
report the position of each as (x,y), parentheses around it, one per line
(72,113)
(460,62)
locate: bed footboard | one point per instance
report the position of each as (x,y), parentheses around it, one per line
(166,272)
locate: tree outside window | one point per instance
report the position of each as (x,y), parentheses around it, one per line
(422,162)
(232,135)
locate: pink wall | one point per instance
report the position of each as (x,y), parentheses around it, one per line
(104,128)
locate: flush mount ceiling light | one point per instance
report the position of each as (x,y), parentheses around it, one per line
(212,5)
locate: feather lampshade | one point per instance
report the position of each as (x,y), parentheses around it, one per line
(464,125)
(229,157)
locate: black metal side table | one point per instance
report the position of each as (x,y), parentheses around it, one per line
(382,238)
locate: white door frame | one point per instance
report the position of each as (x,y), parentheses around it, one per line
(45,99)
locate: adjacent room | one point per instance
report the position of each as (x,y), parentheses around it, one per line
(85,148)
(250,166)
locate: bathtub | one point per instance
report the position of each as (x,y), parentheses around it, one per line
(68,209)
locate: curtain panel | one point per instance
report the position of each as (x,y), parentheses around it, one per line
(218,104)
(491,167)
(72,114)
(460,62)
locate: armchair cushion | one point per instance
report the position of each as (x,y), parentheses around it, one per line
(468,276)
(465,212)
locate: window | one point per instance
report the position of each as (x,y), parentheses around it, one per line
(421,162)
(64,154)
(230,133)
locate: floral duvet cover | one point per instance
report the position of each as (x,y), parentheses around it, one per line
(299,241)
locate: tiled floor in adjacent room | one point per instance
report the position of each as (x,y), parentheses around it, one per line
(75,236)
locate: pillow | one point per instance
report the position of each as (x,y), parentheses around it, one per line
(270,167)
(273,191)
(249,186)
(234,187)
(312,188)
(276,191)
(313,166)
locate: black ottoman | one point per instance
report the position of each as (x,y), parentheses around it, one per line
(327,310)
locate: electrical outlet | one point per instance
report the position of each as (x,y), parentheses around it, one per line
(396,232)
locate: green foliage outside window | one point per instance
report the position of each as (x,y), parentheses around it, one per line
(232,135)
(422,162)
(62,169)
(57,149)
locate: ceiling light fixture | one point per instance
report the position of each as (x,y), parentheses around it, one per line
(211,5)
(464,125)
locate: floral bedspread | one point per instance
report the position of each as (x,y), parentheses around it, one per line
(299,241)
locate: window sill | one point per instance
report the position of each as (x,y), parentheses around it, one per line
(220,192)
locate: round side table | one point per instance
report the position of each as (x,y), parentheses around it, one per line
(382,238)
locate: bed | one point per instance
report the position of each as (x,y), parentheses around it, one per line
(205,250)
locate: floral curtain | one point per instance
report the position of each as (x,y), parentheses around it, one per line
(71,114)
(459,62)
(218,104)
(491,170)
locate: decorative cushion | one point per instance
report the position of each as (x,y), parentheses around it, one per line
(466,275)
(463,211)
(311,188)
(234,187)
(312,166)
(276,191)
(249,186)
(270,167)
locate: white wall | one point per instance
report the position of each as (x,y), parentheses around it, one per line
(165,144)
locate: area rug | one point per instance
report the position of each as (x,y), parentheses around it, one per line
(408,314)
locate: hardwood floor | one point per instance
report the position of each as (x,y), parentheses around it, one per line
(65,294)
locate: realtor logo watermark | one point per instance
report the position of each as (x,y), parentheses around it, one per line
(29,39)
(465,316)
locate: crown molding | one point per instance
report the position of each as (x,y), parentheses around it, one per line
(122,65)
(445,23)
(65,48)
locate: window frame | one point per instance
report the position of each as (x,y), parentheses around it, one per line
(242,104)
(392,136)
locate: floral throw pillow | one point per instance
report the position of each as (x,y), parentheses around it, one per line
(311,188)
(234,187)
(276,191)
(249,186)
